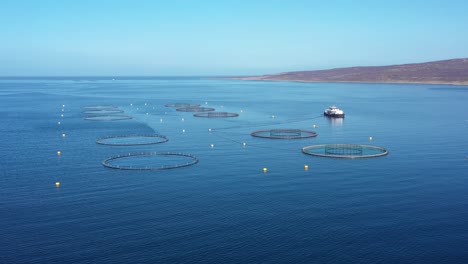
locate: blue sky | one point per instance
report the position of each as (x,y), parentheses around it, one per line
(66,37)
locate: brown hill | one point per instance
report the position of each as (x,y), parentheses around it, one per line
(453,71)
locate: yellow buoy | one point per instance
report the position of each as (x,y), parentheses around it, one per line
(265,169)
(59,153)
(370,138)
(57,184)
(306,167)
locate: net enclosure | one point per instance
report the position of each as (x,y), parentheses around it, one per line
(102,111)
(107,118)
(216,114)
(195,109)
(150,161)
(132,140)
(349,151)
(182,105)
(98,107)
(286,133)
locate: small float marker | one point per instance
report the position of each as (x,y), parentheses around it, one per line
(212,145)
(315,126)
(63,110)
(183,119)
(147,113)
(146,104)
(59,153)
(63,106)
(58,123)
(61,115)
(370,138)
(306,167)
(273,116)
(209,129)
(244,144)
(161,120)
(265,170)
(131,104)
(64,135)
(242,110)
(57,184)
(183,130)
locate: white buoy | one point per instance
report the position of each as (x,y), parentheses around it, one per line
(212,145)
(161,120)
(209,129)
(183,119)
(58,123)
(183,130)
(64,135)
(273,116)
(244,144)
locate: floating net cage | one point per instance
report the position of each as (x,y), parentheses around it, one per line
(349,151)
(102,111)
(107,118)
(216,114)
(182,105)
(195,109)
(150,161)
(98,107)
(284,133)
(132,140)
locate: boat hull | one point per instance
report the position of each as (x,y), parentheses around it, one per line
(334,115)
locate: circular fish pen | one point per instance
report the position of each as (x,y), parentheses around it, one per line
(195,109)
(150,161)
(346,151)
(132,140)
(102,111)
(182,105)
(99,107)
(107,118)
(216,114)
(278,133)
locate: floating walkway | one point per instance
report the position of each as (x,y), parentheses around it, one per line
(183,156)
(345,151)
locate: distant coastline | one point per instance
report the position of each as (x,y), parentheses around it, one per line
(447,72)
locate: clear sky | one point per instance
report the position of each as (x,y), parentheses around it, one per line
(216,37)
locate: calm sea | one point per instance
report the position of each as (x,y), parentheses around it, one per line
(410,206)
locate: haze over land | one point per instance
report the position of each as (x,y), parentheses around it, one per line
(453,71)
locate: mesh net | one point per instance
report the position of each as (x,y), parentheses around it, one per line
(132,140)
(97,107)
(150,161)
(345,151)
(195,109)
(216,114)
(182,105)
(107,118)
(283,133)
(102,111)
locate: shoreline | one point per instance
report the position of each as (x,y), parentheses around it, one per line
(366,82)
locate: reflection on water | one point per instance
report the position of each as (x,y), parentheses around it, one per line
(335,121)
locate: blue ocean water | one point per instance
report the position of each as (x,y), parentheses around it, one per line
(410,206)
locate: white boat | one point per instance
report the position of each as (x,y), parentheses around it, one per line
(333,111)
